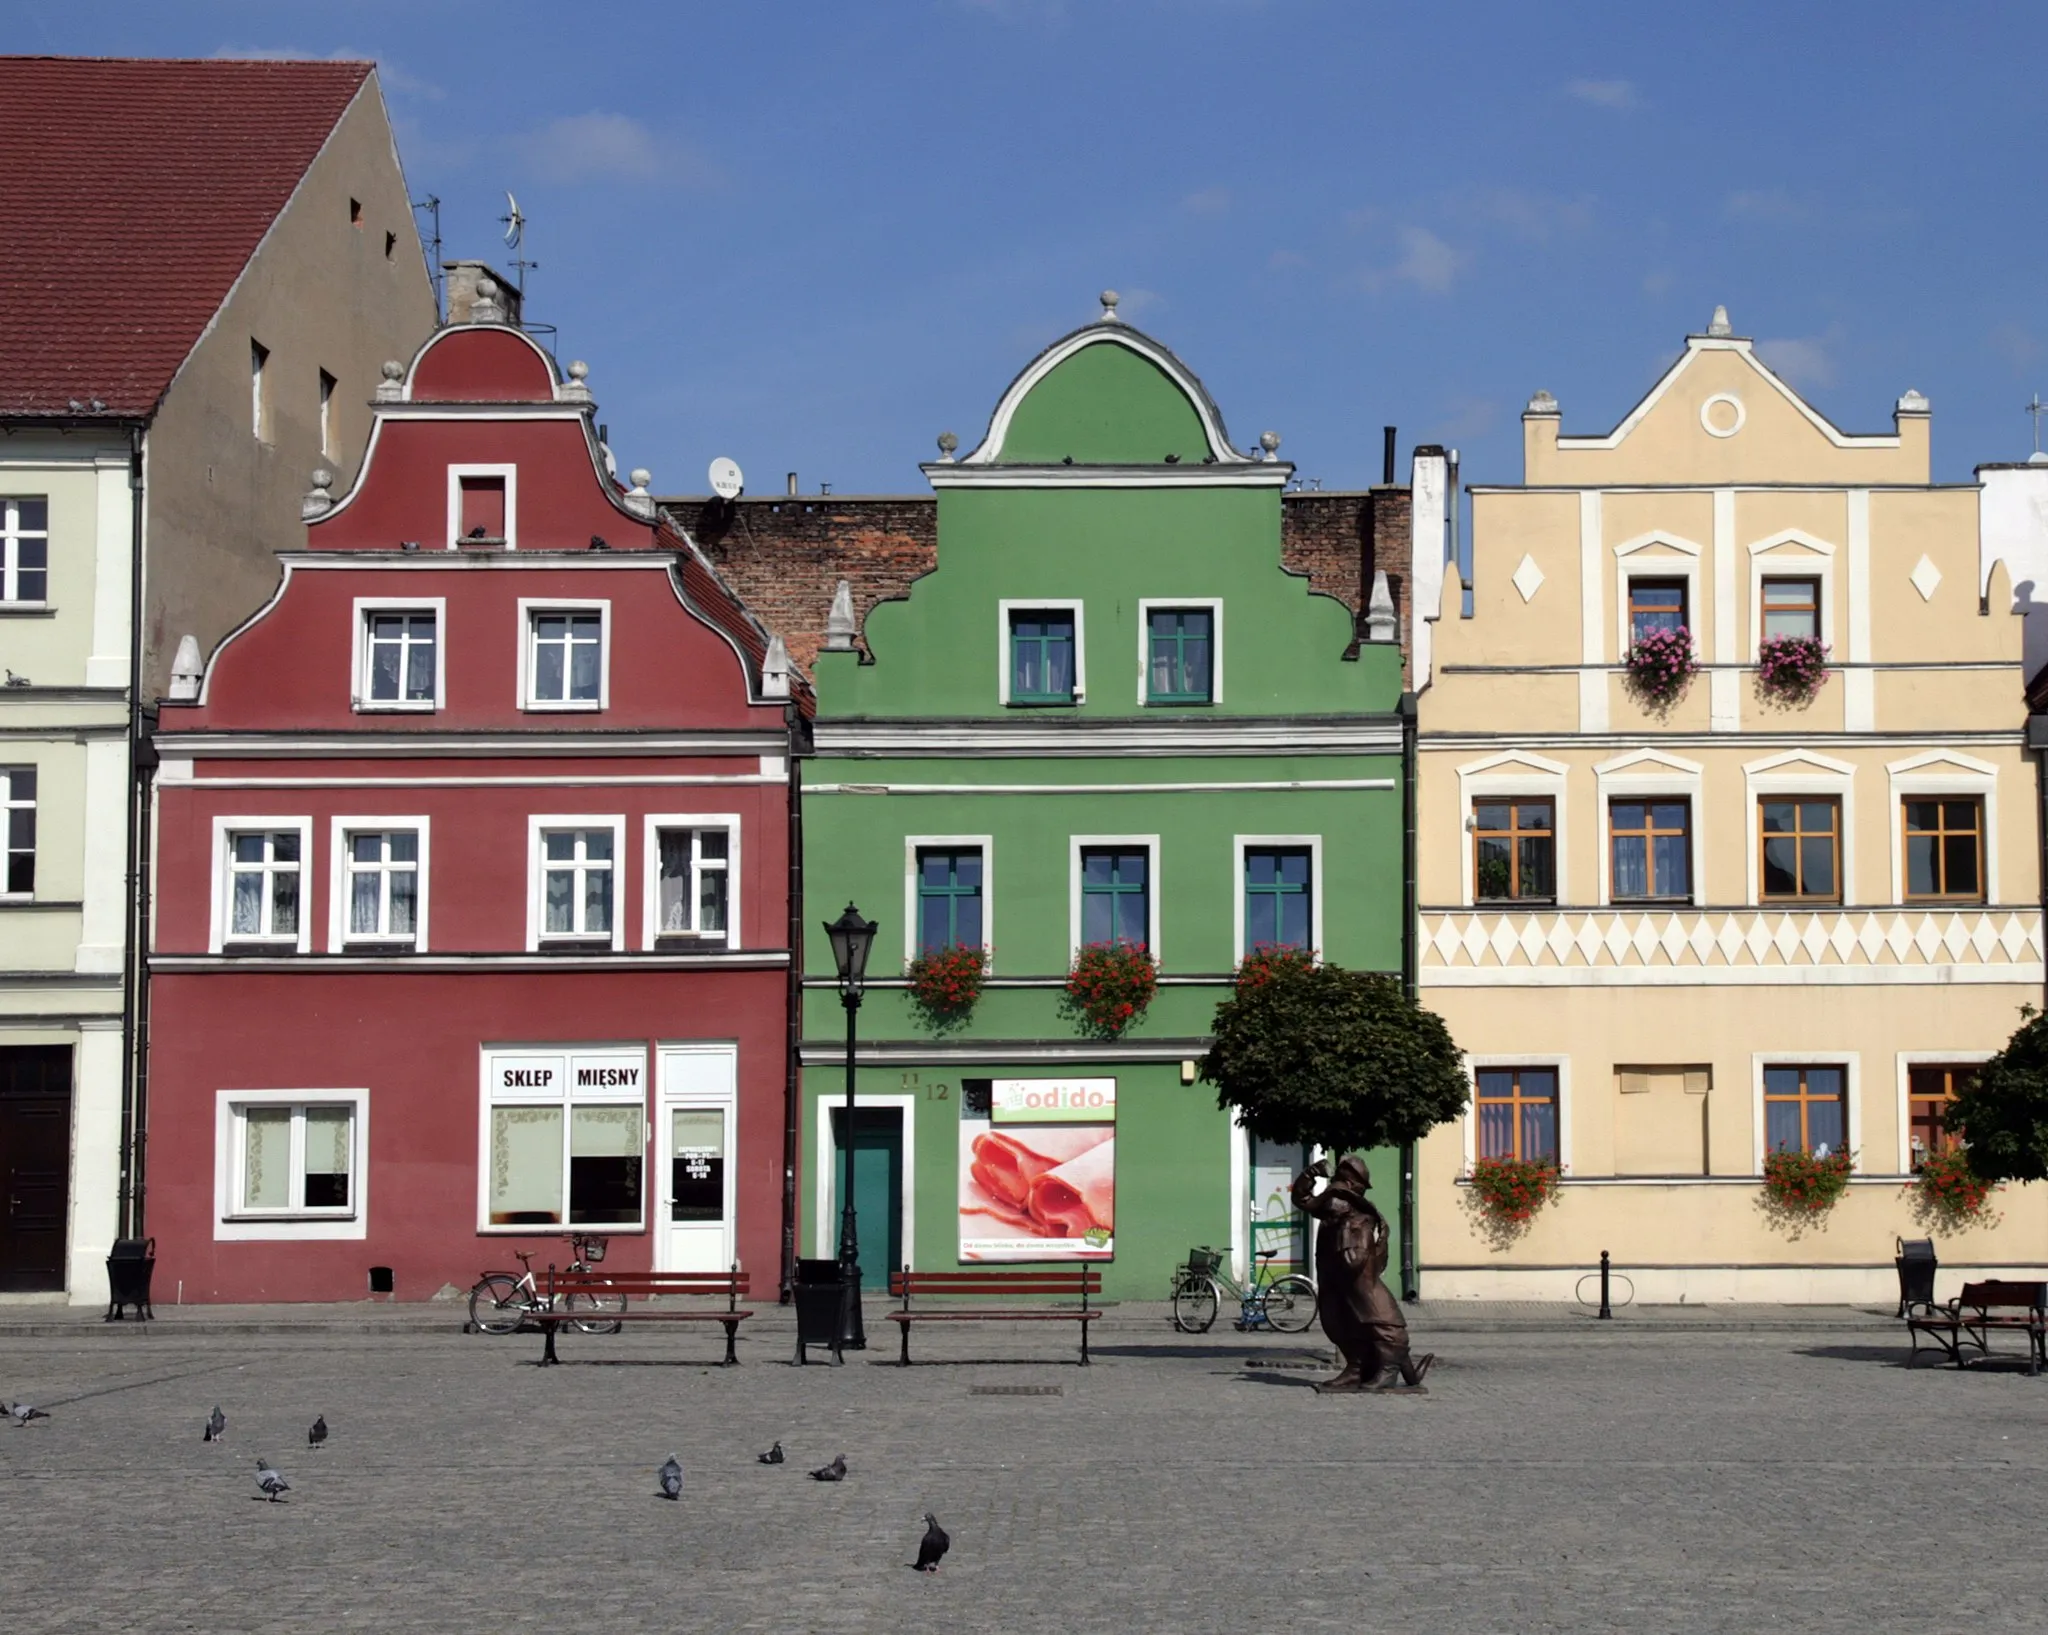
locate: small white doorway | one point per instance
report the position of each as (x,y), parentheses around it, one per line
(694,1138)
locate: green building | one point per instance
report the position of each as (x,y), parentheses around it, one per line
(1109,715)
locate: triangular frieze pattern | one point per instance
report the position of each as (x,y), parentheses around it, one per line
(1734,937)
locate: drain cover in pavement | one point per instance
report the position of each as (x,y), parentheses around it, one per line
(1016,1390)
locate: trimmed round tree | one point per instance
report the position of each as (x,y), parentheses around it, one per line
(2004,1116)
(1314,1054)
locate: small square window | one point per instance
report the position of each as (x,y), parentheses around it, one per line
(1514,850)
(294,1159)
(25,550)
(1929,1092)
(481,520)
(695,884)
(1806,1109)
(401,659)
(1180,653)
(1799,838)
(565,658)
(577,871)
(264,870)
(1655,604)
(1651,856)
(1516,1109)
(1116,897)
(1944,848)
(383,868)
(949,898)
(1278,898)
(1042,657)
(1791,607)
(18,830)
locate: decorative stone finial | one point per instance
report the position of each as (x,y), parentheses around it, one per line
(392,387)
(574,389)
(1542,403)
(638,500)
(947,444)
(1914,403)
(1718,326)
(839,625)
(1379,611)
(1269,445)
(486,310)
(186,670)
(775,669)
(318,502)
(1109,300)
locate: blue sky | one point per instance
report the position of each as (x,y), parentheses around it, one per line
(813,236)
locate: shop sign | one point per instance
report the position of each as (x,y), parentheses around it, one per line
(1052,1101)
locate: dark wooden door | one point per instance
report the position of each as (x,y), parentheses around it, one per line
(35,1165)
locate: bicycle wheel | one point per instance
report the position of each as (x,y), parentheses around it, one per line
(598,1305)
(1194,1305)
(497,1305)
(1290,1304)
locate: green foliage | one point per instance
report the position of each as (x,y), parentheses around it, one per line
(1311,1053)
(1800,1188)
(2004,1115)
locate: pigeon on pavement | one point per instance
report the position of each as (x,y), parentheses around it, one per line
(318,1433)
(834,1472)
(216,1426)
(772,1457)
(671,1478)
(272,1482)
(931,1549)
(21,1413)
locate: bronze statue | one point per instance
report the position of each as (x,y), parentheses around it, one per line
(1359,1312)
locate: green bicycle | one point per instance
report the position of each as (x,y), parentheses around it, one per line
(1286,1305)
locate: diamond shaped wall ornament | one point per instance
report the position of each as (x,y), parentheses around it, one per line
(1756,939)
(1898,937)
(1701,940)
(1528,578)
(2013,938)
(1842,938)
(1475,940)
(1532,941)
(1870,938)
(1560,940)
(1954,938)
(1925,577)
(1616,940)
(1785,939)
(1813,939)
(1926,938)
(1729,938)
(1644,939)
(1589,940)
(1982,937)
(1503,940)
(1672,940)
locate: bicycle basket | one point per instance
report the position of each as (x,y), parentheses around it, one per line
(1204,1262)
(593,1250)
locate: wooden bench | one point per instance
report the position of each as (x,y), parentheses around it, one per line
(567,1290)
(1970,1318)
(908,1285)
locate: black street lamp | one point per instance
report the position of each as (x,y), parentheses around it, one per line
(851,938)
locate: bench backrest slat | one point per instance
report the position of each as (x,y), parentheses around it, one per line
(1082,1281)
(2002,1293)
(730,1284)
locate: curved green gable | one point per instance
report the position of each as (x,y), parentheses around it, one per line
(1105,405)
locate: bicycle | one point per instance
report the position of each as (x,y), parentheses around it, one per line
(1286,1305)
(500,1302)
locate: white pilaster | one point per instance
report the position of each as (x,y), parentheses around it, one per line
(1724,689)
(1592,645)
(1859,686)
(107,665)
(95,1160)
(101,925)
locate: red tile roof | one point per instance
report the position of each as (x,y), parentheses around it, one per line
(135,192)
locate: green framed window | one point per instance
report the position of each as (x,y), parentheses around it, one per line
(1277,900)
(1042,656)
(948,897)
(1116,896)
(1180,646)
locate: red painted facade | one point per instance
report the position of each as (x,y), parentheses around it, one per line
(471,882)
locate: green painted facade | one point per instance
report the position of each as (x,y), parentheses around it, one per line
(1296,750)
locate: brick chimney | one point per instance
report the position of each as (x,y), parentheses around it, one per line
(462,279)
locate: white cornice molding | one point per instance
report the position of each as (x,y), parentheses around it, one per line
(1250,474)
(419,746)
(1116,736)
(751,959)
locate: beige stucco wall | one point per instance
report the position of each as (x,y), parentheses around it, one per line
(319,294)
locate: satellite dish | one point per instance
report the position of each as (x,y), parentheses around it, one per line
(726,481)
(515,222)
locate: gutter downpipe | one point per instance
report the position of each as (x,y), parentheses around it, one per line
(1410,1279)
(133,1027)
(791,1088)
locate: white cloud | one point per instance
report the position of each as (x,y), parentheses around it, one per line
(1805,361)
(1465,418)
(1762,204)
(1211,201)
(1131,302)
(607,147)
(1536,217)
(1426,261)
(1617,94)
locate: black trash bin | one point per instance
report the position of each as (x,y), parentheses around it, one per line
(129,1270)
(827,1308)
(1916,1263)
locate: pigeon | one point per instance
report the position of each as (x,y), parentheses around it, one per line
(216,1426)
(22,1412)
(834,1472)
(318,1433)
(272,1482)
(478,532)
(14,680)
(772,1457)
(931,1549)
(671,1478)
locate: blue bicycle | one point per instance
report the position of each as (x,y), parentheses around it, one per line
(1285,1305)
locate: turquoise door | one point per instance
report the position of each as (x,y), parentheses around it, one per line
(877,1188)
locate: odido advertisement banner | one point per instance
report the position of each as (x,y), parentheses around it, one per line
(1038,1175)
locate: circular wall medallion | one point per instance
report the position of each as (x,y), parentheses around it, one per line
(1722,415)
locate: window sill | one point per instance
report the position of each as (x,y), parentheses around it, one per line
(581,706)
(380,945)
(28,610)
(1794,904)
(365,706)
(290,1217)
(1649,902)
(1943,902)
(684,941)
(546,1229)
(271,948)
(574,945)
(1179,703)
(1499,903)
(1043,703)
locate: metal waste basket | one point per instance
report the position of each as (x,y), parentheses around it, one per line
(129,1270)
(1916,1263)
(823,1296)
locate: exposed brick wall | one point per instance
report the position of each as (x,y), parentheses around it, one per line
(783,556)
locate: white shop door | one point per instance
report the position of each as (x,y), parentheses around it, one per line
(695,1142)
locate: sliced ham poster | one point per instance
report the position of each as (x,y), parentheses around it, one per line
(1037,1190)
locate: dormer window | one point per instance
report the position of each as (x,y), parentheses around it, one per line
(483,510)
(483,507)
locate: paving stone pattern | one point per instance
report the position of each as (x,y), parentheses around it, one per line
(1600,1479)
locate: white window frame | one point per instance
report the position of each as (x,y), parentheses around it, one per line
(1650,772)
(339,938)
(511,475)
(1313,845)
(327,384)
(11,536)
(1943,772)
(1805,557)
(536,888)
(8,805)
(359,656)
(259,396)
(825,1179)
(650,848)
(1034,604)
(1147,605)
(1801,772)
(1504,777)
(620,1053)
(1907,1061)
(1851,1064)
(1076,844)
(986,845)
(531,608)
(233,1224)
(1560,1064)
(1683,563)
(219,933)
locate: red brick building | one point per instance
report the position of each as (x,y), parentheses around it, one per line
(472,876)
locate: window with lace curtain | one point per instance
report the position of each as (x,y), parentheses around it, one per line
(294,1159)
(694,887)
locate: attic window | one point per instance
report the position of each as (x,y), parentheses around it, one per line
(390,245)
(483,510)
(355,213)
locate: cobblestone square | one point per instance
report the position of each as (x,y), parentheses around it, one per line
(1562,1477)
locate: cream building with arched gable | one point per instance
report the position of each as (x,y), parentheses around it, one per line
(1671,939)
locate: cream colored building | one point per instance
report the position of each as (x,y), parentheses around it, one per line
(1669,940)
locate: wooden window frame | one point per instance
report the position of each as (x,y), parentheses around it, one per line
(1796,834)
(1941,833)
(1643,581)
(1764,609)
(1951,1076)
(1514,834)
(1805,1099)
(1516,1100)
(1650,834)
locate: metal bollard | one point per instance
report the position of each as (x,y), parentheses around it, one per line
(1606,1308)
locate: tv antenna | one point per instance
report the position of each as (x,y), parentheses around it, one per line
(2037,408)
(514,220)
(432,204)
